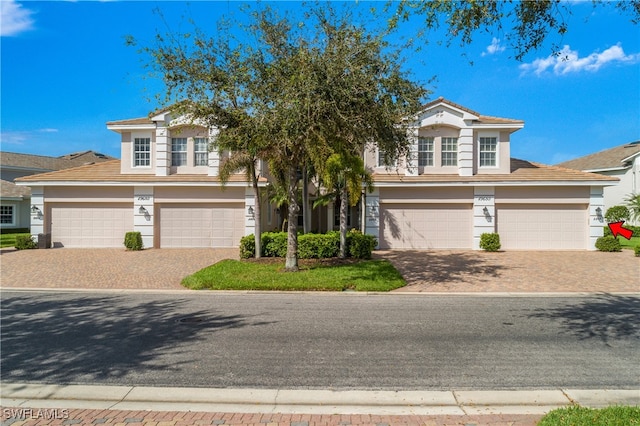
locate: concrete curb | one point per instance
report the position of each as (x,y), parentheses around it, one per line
(304,401)
(318,293)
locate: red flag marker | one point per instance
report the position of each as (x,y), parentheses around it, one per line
(617,229)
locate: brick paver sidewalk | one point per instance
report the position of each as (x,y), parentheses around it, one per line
(27,417)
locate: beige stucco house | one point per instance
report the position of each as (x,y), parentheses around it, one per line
(622,162)
(458,183)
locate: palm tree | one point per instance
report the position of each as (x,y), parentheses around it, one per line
(633,204)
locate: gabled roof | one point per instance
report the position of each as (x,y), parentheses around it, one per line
(109,172)
(483,119)
(11,190)
(45,163)
(613,158)
(521,172)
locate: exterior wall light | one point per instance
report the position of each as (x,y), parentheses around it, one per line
(142,210)
(598,212)
(35,209)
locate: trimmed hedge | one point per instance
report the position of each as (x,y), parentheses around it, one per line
(608,243)
(490,241)
(310,246)
(616,214)
(25,242)
(635,229)
(133,241)
(636,250)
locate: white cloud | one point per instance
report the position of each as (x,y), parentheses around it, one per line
(14,18)
(494,47)
(20,137)
(568,61)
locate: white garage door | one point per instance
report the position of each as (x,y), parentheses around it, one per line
(82,225)
(425,226)
(204,225)
(542,227)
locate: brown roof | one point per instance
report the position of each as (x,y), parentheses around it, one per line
(44,163)
(131,121)
(607,159)
(487,119)
(11,190)
(521,171)
(110,172)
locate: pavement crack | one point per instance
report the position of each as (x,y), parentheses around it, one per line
(458,403)
(121,399)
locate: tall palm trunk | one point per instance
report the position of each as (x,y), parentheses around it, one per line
(344,205)
(291,261)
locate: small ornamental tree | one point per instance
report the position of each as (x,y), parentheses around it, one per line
(617,214)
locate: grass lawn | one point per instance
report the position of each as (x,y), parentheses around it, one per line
(629,244)
(8,240)
(581,416)
(317,275)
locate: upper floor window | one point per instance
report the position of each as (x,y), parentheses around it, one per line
(7,215)
(449,151)
(381,160)
(488,152)
(425,151)
(141,152)
(201,154)
(178,151)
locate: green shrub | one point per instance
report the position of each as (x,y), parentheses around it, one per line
(14,230)
(247,247)
(636,250)
(360,246)
(490,241)
(318,246)
(608,243)
(616,214)
(133,241)
(25,242)
(274,244)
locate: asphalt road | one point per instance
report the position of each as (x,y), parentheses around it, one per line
(321,340)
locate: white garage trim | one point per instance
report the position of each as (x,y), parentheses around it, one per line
(200,225)
(89,225)
(426,226)
(542,227)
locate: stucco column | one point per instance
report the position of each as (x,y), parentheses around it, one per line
(249,212)
(163,152)
(596,215)
(372,215)
(38,216)
(214,155)
(484,213)
(143,214)
(411,168)
(465,152)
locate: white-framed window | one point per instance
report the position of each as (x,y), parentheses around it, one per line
(141,152)
(201,152)
(425,151)
(449,151)
(488,151)
(178,151)
(8,214)
(382,162)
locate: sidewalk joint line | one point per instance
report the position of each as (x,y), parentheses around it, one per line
(460,405)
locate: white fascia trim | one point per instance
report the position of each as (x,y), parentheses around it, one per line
(496,183)
(510,126)
(107,183)
(131,127)
(631,156)
(609,169)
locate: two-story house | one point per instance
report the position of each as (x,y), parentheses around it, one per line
(458,183)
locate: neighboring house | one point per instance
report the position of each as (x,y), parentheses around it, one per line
(622,162)
(15,207)
(459,182)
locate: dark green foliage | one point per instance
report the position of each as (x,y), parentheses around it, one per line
(608,243)
(310,246)
(133,241)
(635,229)
(360,246)
(636,250)
(618,415)
(490,242)
(25,242)
(616,214)
(14,230)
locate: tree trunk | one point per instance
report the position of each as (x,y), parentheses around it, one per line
(257,231)
(344,205)
(305,200)
(291,261)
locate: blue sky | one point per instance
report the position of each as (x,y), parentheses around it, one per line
(66,71)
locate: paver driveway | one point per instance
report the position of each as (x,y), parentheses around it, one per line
(425,271)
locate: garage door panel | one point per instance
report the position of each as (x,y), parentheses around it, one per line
(542,227)
(206,225)
(79,225)
(424,226)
